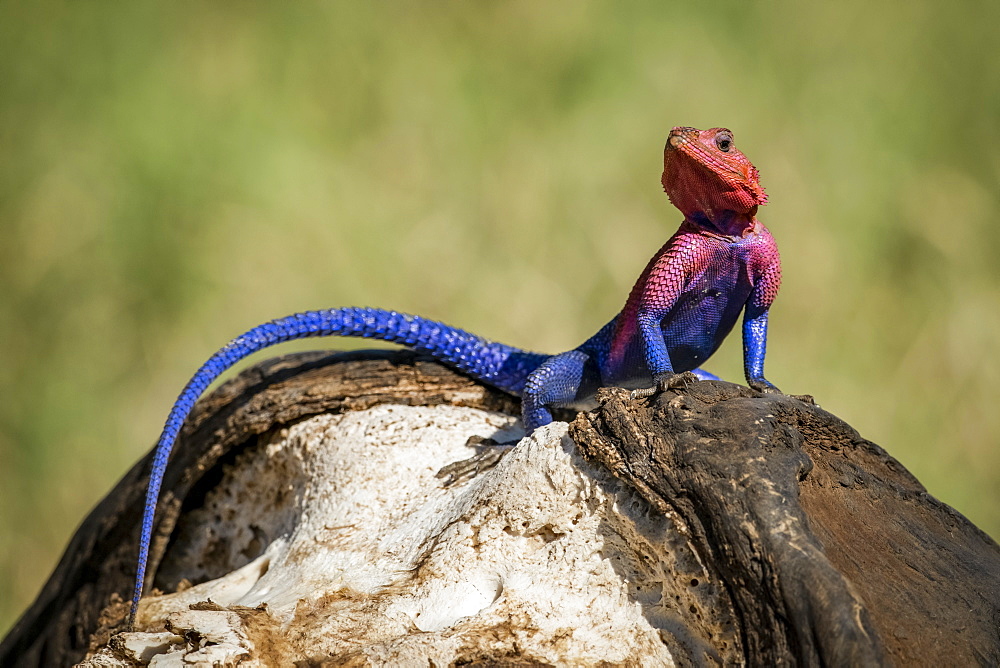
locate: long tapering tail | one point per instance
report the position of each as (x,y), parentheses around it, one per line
(503,367)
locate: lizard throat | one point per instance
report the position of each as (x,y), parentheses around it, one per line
(726,223)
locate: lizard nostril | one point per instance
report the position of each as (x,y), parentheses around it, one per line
(675,140)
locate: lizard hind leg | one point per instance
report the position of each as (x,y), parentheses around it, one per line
(559,380)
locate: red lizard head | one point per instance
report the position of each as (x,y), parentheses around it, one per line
(705,175)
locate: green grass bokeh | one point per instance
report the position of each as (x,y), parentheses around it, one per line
(174,173)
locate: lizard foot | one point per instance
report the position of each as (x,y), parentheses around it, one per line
(676,381)
(763,386)
(489,455)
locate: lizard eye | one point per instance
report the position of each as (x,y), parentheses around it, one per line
(724,142)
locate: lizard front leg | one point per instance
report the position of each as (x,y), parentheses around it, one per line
(658,358)
(754,347)
(755,320)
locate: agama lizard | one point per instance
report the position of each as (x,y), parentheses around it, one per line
(721,261)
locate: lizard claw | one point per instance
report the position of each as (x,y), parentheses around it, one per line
(489,455)
(766,387)
(662,383)
(763,386)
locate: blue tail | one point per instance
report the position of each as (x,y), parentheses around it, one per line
(501,366)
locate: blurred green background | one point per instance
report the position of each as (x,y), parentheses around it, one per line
(174,173)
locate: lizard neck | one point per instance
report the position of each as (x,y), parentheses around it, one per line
(725,223)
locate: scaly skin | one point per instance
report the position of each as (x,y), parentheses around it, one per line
(720,262)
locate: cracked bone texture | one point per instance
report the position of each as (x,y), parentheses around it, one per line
(332,540)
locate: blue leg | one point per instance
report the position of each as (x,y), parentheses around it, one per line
(655,346)
(754,348)
(560,379)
